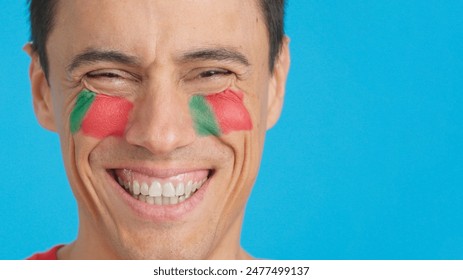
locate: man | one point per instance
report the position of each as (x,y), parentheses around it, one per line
(161,108)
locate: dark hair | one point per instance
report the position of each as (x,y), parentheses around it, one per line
(42,19)
(42,14)
(274,13)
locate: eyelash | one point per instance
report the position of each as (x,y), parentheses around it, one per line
(208,74)
(104,75)
(211,73)
(107,75)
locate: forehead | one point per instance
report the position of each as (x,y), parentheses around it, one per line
(150,28)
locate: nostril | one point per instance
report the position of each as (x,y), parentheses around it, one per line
(160,137)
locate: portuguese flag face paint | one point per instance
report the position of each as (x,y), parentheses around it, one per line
(99,115)
(219,113)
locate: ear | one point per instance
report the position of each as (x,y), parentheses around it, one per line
(41,95)
(278,84)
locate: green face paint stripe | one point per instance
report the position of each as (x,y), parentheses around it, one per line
(203,117)
(83,103)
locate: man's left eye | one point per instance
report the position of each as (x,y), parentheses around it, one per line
(211,73)
(208,79)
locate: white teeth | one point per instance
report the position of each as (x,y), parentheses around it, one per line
(180,190)
(168,190)
(158,194)
(150,200)
(122,183)
(136,188)
(173,200)
(144,189)
(188,188)
(155,189)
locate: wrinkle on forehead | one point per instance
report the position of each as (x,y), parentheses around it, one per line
(149,25)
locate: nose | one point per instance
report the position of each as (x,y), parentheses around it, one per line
(160,122)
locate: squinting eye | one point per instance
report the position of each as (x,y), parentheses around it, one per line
(109,74)
(113,74)
(211,73)
(208,79)
(111,81)
(103,75)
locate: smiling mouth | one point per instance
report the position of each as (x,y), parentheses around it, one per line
(169,190)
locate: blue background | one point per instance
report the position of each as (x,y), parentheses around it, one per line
(365,163)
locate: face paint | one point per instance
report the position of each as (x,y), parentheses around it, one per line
(99,115)
(219,113)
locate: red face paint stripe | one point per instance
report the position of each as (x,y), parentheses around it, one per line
(230,112)
(107,116)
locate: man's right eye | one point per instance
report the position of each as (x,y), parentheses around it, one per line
(116,82)
(110,74)
(103,75)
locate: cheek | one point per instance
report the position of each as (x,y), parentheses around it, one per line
(100,115)
(220,113)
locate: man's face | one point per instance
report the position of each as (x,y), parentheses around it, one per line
(158,56)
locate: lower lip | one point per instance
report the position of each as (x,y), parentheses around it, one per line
(160,213)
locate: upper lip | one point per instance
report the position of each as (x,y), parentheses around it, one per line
(162,176)
(148,175)
(161,173)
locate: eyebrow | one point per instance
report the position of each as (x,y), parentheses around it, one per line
(92,56)
(219,54)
